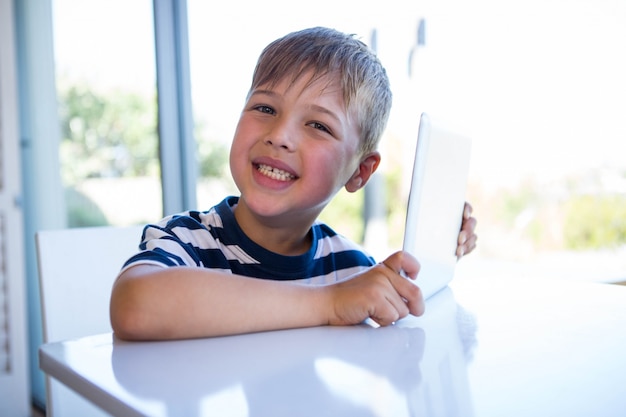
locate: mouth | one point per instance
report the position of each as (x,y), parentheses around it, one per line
(275,173)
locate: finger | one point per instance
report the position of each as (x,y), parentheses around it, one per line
(467,210)
(390,311)
(467,243)
(387,306)
(409,294)
(469,224)
(403,262)
(470,244)
(463,235)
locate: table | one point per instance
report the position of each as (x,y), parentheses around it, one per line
(485,347)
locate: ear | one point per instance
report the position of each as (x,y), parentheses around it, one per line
(367,167)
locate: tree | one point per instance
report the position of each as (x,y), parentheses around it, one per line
(109,134)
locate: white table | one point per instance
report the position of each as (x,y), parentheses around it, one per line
(486,347)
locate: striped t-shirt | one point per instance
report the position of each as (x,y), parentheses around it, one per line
(213,239)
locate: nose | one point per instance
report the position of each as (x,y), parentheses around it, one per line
(281,135)
(275,142)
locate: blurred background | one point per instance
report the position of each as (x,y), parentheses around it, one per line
(538,86)
(137,129)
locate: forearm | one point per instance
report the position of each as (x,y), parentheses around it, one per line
(152,303)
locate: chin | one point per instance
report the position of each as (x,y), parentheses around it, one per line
(263,205)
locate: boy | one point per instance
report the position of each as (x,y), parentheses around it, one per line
(316,109)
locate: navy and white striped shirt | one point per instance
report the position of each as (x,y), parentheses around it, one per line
(213,239)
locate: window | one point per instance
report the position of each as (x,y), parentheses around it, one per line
(106,84)
(539,88)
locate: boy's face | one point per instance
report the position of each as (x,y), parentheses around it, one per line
(295,146)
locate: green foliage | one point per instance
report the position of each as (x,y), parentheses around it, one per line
(396,206)
(114,134)
(82,211)
(213,158)
(109,134)
(594,222)
(344,214)
(513,203)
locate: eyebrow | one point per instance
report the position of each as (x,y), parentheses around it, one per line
(315,107)
(266,92)
(326,111)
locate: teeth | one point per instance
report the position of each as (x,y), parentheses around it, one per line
(275,173)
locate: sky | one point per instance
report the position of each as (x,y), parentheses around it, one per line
(538,85)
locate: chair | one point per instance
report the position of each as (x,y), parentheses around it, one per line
(77,268)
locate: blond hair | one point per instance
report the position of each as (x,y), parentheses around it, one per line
(325,51)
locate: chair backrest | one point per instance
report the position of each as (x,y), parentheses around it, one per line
(77,268)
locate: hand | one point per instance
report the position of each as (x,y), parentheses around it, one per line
(380,293)
(467,237)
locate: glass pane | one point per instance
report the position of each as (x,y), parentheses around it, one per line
(106,84)
(538,87)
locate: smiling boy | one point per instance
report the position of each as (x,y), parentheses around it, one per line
(316,109)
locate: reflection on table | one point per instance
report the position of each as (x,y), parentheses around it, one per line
(417,367)
(493,346)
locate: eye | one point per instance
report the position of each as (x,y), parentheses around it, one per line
(264,109)
(319,126)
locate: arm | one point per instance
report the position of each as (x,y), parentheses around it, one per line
(150,302)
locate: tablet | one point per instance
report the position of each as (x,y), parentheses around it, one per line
(436,201)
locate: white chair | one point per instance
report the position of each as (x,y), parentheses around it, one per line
(77,268)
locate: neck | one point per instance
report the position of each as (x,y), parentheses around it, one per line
(276,235)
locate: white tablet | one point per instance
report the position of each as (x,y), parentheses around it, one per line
(436,200)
